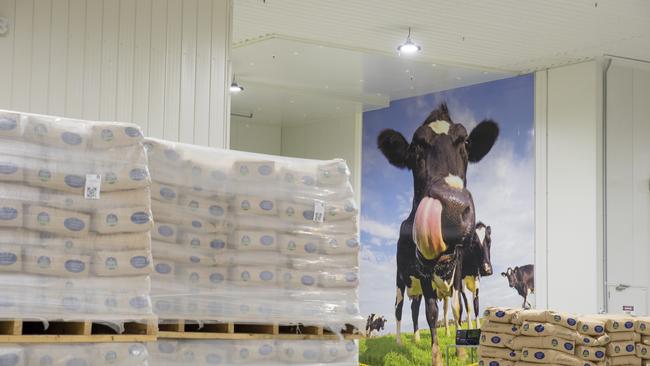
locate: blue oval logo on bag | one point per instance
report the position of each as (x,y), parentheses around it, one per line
(171,155)
(352,243)
(7,259)
(266,205)
(195,259)
(8,168)
(165,231)
(140,218)
(216,210)
(195,243)
(167,193)
(8,213)
(598,329)
(266,350)
(197,224)
(75,266)
(163,268)
(110,302)
(106,135)
(568,346)
(217,244)
(163,305)
(139,302)
(71,303)
(71,138)
(213,359)
(265,170)
(11,359)
(266,240)
(166,347)
(539,355)
(77,362)
(539,328)
(494,363)
(243,353)
(266,276)
(308,181)
(307,280)
(629,325)
(110,357)
(74,224)
(74,181)
(311,248)
(571,321)
(629,348)
(132,132)
(600,354)
(496,340)
(351,277)
(139,261)
(308,214)
(216,278)
(138,174)
(500,314)
(7,124)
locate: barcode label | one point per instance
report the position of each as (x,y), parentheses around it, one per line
(319,211)
(93,186)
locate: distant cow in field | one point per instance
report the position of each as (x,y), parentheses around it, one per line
(522,279)
(476,264)
(374,323)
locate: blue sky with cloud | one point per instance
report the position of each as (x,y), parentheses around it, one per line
(502,185)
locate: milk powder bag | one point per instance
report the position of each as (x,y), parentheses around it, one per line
(254,240)
(538,355)
(531,315)
(334,173)
(111,135)
(206,208)
(55,132)
(299,353)
(495,362)
(642,351)
(254,170)
(494,327)
(615,349)
(547,342)
(49,263)
(591,353)
(123,242)
(625,360)
(163,231)
(11,258)
(591,326)
(128,263)
(338,279)
(642,326)
(625,336)
(164,192)
(294,245)
(563,319)
(499,352)
(545,329)
(12,168)
(11,213)
(63,222)
(495,340)
(122,220)
(245,204)
(340,245)
(214,243)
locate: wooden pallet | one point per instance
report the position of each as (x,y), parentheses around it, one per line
(88,331)
(187,329)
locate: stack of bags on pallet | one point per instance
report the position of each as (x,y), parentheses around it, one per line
(244,237)
(259,352)
(529,337)
(100,354)
(642,347)
(74,220)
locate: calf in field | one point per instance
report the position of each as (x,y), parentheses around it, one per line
(522,279)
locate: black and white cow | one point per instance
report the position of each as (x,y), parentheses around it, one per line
(522,279)
(442,216)
(375,324)
(476,264)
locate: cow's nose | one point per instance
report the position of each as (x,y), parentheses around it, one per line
(487,269)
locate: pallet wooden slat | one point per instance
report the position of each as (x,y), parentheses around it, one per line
(24,331)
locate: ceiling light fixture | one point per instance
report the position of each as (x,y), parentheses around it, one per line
(235,87)
(409,46)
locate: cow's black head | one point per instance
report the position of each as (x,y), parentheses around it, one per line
(510,275)
(438,155)
(483,244)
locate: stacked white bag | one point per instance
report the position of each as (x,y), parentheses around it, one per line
(71,250)
(258,352)
(245,237)
(97,354)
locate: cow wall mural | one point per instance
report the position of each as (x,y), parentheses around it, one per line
(447,200)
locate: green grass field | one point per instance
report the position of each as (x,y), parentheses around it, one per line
(378,351)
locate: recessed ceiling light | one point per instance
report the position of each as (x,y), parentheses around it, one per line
(485,73)
(327,86)
(407,70)
(434,65)
(235,87)
(292,101)
(295,53)
(409,47)
(251,63)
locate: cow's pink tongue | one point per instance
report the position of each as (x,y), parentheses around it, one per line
(427,228)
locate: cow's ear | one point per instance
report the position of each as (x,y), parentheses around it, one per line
(488,230)
(394,147)
(504,274)
(481,140)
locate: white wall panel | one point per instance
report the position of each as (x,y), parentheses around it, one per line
(163,64)
(259,138)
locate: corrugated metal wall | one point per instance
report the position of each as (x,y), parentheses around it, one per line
(159,63)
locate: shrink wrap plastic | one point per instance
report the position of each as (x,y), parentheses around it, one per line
(71,249)
(262,352)
(98,354)
(245,237)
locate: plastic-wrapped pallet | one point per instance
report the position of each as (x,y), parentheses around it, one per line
(74,220)
(98,354)
(254,352)
(242,237)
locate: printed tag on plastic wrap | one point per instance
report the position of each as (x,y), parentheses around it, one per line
(93,186)
(319,211)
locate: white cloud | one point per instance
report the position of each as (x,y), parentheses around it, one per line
(379,229)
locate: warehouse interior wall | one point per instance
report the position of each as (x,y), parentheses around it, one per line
(628,185)
(255,137)
(569,192)
(163,64)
